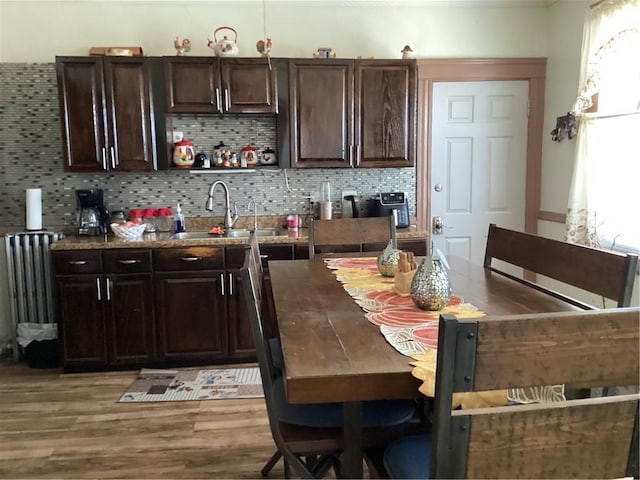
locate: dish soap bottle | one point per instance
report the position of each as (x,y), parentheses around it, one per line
(179,218)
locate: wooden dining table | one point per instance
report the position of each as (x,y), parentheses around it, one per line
(332,353)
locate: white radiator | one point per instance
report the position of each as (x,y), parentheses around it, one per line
(30,279)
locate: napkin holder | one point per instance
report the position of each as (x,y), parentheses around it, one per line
(404,275)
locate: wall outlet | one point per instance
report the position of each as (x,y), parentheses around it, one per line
(177,136)
(346,205)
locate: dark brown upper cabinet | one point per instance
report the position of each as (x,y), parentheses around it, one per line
(352,113)
(321,100)
(385,113)
(215,85)
(107,114)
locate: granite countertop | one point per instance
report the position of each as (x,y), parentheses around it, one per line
(161,240)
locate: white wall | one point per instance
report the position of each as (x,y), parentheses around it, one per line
(563,69)
(37,31)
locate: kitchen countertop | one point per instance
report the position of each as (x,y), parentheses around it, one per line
(161,240)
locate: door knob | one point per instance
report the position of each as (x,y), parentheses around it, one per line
(437,226)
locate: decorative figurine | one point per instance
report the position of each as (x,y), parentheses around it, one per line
(407,52)
(182,48)
(264,47)
(324,52)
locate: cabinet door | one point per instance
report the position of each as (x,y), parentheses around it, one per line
(321,103)
(193,85)
(191,315)
(129,319)
(248,86)
(130,116)
(81,96)
(82,329)
(240,337)
(385,113)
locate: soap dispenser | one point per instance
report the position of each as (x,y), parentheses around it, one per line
(179,218)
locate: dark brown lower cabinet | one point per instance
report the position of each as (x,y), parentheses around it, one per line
(163,307)
(200,311)
(81,328)
(191,315)
(106,307)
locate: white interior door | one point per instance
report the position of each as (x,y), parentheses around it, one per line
(478,171)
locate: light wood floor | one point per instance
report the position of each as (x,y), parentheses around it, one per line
(55,425)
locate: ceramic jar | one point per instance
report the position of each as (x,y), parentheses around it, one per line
(183,154)
(268,157)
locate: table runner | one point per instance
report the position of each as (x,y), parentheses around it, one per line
(410,330)
(414,332)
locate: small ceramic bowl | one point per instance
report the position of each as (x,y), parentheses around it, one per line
(128,233)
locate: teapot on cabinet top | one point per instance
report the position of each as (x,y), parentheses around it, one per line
(224,47)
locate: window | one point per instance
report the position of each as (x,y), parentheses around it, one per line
(604,204)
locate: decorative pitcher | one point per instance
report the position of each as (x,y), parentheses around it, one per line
(430,288)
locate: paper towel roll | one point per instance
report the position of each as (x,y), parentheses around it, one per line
(34,209)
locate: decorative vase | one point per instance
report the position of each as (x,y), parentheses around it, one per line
(430,288)
(388,260)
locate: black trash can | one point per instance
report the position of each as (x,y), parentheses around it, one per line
(39,342)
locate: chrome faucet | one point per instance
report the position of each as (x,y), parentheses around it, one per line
(229,220)
(255,213)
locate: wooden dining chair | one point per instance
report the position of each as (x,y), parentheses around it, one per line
(308,436)
(349,234)
(603,272)
(586,438)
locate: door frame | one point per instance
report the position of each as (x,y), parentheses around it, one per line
(532,70)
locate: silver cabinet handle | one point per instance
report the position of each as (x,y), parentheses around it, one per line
(231,284)
(357,155)
(108,289)
(104,158)
(190,259)
(218,101)
(227,104)
(99,289)
(222,284)
(112,152)
(128,262)
(77,262)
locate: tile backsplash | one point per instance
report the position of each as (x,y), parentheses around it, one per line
(31,157)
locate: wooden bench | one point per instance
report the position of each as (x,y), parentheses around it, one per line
(587,438)
(605,273)
(578,438)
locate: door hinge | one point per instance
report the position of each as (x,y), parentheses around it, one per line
(528,108)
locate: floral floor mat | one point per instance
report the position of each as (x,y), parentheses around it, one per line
(153,385)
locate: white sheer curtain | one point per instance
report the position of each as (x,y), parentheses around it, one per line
(604,201)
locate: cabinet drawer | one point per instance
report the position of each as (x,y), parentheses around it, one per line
(127,261)
(188,258)
(77,261)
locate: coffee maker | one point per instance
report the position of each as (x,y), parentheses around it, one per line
(92,214)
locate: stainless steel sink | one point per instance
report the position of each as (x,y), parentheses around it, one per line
(240,233)
(190,235)
(261,232)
